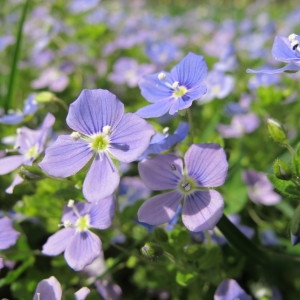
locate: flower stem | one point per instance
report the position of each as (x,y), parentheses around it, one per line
(13,72)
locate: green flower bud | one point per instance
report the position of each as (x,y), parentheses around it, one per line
(276,132)
(152,251)
(31,173)
(44,97)
(282,170)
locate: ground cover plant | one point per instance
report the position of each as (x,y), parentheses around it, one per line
(149,150)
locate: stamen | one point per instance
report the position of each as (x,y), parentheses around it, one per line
(175,85)
(166,130)
(162,76)
(75,136)
(292,37)
(106,129)
(186,186)
(71,204)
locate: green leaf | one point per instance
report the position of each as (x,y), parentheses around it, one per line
(184,279)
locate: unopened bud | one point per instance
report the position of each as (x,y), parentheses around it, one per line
(282,170)
(44,97)
(31,173)
(152,251)
(276,132)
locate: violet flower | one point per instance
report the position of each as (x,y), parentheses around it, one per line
(260,189)
(81,246)
(174,91)
(285,49)
(102,131)
(163,141)
(8,235)
(229,289)
(205,167)
(50,289)
(30,144)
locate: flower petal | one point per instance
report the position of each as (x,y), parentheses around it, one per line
(82,250)
(155,110)
(190,71)
(207,164)
(202,210)
(101,180)
(93,110)
(102,213)
(159,209)
(282,50)
(49,289)
(66,157)
(8,235)
(133,134)
(161,172)
(82,293)
(10,163)
(57,243)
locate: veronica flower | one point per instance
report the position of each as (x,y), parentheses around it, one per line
(102,131)
(30,144)
(81,246)
(285,49)
(229,289)
(50,288)
(174,91)
(164,141)
(260,189)
(29,108)
(8,235)
(205,167)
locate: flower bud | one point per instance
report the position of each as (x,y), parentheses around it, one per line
(152,251)
(276,132)
(44,97)
(31,173)
(282,170)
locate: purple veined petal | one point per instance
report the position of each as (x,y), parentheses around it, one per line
(57,243)
(282,51)
(108,290)
(48,289)
(82,293)
(93,110)
(159,209)
(287,68)
(83,249)
(207,164)
(10,163)
(202,210)
(161,172)
(102,213)
(66,157)
(229,289)
(17,180)
(101,180)
(132,135)
(197,92)
(155,90)
(155,110)
(8,235)
(190,71)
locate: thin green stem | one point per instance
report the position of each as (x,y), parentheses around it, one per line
(13,72)
(190,121)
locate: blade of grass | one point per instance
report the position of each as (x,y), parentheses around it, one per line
(13,71)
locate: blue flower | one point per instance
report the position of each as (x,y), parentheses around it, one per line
(174,91)
(285,49)
(102,132)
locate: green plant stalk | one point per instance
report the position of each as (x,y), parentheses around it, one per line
(13,71)
(241,242)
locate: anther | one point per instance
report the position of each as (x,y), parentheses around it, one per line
(75,136)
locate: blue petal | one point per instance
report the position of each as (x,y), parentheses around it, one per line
(282,51)
(202,210)
(66,157)
(101,180)
(229,289)
(49,289)
(155,110)
(160,209)
(93,110)
(84,248)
